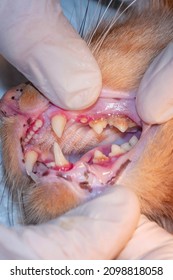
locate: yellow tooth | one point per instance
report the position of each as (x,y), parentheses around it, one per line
(133,141)
(58,123)
(122,127)
(116,150)
(98,125)
(99,156)
(126,147)
(30,159)
(60,160)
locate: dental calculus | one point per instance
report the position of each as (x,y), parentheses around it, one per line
(116,150)
(98,125)
(122,124)
(99,157)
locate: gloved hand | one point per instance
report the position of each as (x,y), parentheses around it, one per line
(91,232)
(39,41)
(149,242)
(98,229)
(155,95)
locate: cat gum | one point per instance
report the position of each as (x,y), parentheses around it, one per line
(86,147)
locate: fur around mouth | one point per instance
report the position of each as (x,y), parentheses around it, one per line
(87,147)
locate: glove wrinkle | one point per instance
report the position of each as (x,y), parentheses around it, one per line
(98,229)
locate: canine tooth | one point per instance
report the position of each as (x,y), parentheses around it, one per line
(116,150)
(38,124)
(60,160)
(133,141)
(98,125)
(99,156)
(126,147)
(30,160)
(58,123)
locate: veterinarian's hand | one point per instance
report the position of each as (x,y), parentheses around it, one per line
(39,41)
(149,242)
(155,94)
(98,229)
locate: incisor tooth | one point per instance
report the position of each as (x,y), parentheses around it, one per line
(99,156)
(133,141)
(58,123)
(60,160)
(98,125)
(38,124)
(30,159)
(116,150)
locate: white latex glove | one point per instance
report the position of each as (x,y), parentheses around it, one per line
(149,242)
(39,41)
(155,94)
(98,229)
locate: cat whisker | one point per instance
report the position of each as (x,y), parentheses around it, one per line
(107,28)
(99,23)
(98,7)
(114,20)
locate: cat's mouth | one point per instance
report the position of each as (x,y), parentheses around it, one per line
(90,147)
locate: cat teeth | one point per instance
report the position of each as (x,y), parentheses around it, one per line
(58,123)
(120,123)
(60,160)
(133,141)
(116,150)
(38,124)
(98,125)
(30,159)
(99,157)
(121,127)
(50,164)
(29,136)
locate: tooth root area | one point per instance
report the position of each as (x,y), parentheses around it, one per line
(98,125)
(58,123)
(99,156)
(60,160)
(116,150)
(133,141)
(30,159)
